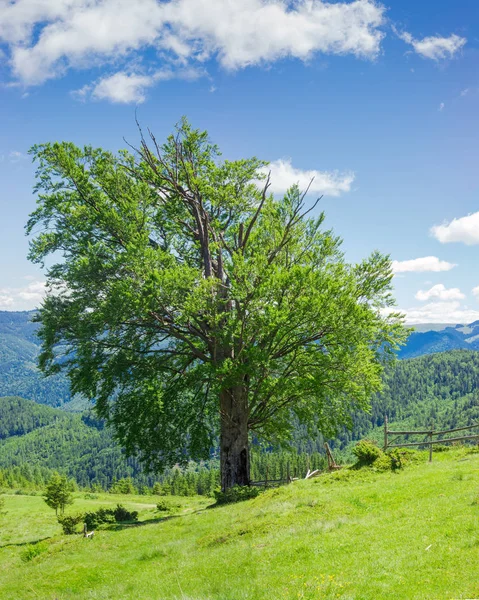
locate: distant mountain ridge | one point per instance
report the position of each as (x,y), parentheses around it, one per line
(451,337)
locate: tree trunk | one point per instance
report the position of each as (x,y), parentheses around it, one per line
(234,449)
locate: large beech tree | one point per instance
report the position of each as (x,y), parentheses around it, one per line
(192,305)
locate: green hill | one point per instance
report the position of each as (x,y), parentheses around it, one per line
(75,444)
(362,535)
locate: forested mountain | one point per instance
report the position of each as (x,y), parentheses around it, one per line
(439,388)
(19,375)
(75,444)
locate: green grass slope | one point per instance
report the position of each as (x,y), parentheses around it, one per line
(358,535)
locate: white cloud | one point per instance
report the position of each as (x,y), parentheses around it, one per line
(128,88)
(329,183)
(441,107)
(434,47)
(15,156)
(475,292)
(440,292)
(22,298)
(122,88)
(440,312)
(464,229)
(47,37)
(465,92)
(421,265)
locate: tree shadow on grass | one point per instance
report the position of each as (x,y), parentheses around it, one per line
(19,544)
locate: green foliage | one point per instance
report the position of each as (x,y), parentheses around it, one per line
(167,505)
(70,523)
(123,486)
(191,279)
(367,451)
(102,516)
(99,517)
(122,515)
(58,493)
(237,493)
(31,551)
(400,457)
(383,463)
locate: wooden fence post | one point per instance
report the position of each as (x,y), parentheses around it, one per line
(430,442)
(385,433)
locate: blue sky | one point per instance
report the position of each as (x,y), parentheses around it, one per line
(380,101)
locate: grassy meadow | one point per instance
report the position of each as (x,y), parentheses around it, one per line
(412,534)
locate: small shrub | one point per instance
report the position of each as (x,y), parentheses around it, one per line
(166,506)
(383,463)
(121,514)
(70,523)
(237,493)
(367,451)
(399,458)
(94,519)
(89,496)
(31,551)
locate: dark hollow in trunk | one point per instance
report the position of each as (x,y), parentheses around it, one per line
(234,450)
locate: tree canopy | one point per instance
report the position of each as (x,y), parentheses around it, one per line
(189,302)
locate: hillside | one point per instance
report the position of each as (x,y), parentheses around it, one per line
(411,535)
(19,375)
(78,445)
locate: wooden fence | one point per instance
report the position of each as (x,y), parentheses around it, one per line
(430,433)
(332,466)
(273,482)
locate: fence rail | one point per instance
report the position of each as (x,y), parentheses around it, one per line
(431,433)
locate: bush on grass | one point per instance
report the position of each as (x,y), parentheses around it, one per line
(366,451)
(31,551)
(70,523)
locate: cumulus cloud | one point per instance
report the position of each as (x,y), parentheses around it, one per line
(329,183)
(440,312)
(26,297)
(130,88)
(440,292)
(435,47)
(475,292)
(47,37)
(421,265)
(464,229)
